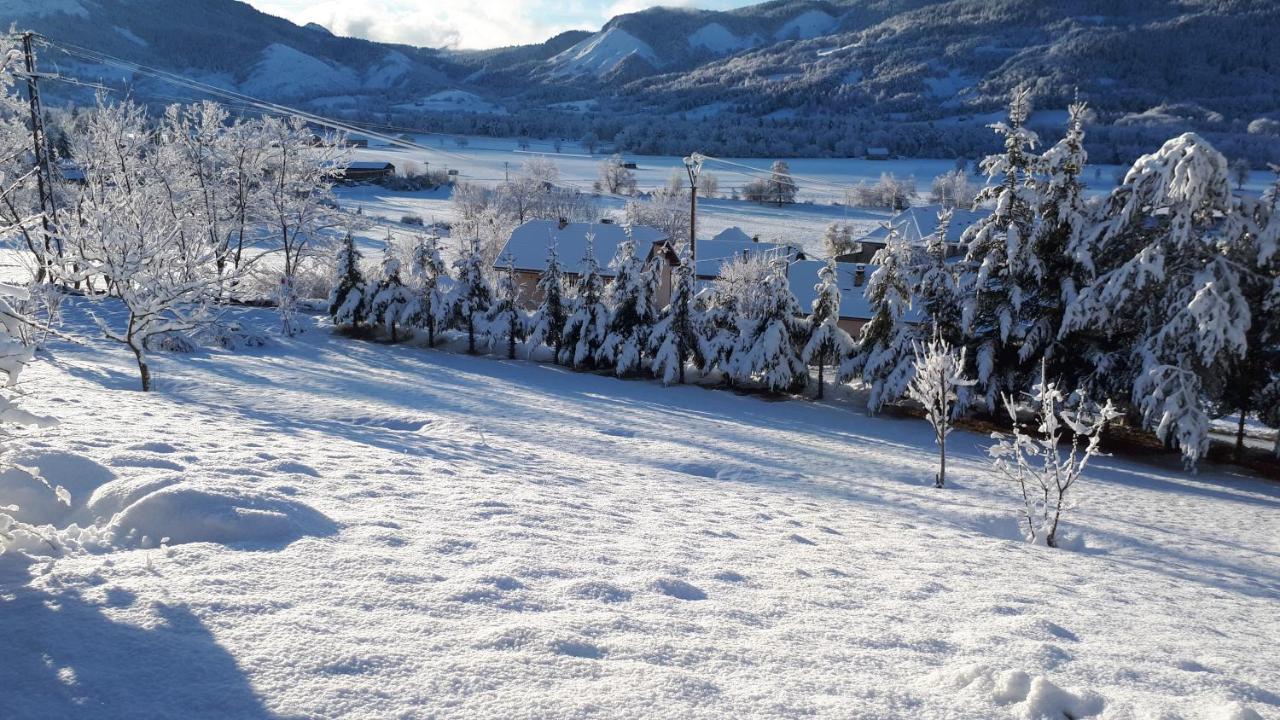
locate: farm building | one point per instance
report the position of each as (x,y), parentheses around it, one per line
(877,153)
(360,171)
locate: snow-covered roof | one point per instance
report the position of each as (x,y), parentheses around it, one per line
(528,244)
(918,223)
(802,275)
(367,165)
(713,254)
(733,234)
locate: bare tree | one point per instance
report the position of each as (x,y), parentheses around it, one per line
(1044,473)
(615,178)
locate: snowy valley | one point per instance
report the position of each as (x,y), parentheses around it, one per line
(355,380)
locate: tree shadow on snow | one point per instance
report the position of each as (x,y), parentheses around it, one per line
(64,658)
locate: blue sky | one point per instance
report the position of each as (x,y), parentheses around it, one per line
(465,23)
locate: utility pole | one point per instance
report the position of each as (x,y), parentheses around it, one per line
(693,165)
(44,176)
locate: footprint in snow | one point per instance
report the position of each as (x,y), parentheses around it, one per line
(729,576)
(140,460)
(577,649)
(801,539)
(601,591)
(679,589)
(154,447)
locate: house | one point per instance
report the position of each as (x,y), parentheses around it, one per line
(529,247)
(877,153)
(851,278)
(360,171)
(916,225)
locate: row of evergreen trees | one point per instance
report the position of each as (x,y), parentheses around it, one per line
(1164,296)
(747,325)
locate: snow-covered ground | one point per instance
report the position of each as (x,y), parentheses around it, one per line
(402,532)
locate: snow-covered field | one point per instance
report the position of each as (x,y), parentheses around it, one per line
(403,532)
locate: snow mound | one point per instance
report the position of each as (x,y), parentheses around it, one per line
(719,39)
(1035,698)
(181,513)
(601,53)
(806,25)
(1236,711)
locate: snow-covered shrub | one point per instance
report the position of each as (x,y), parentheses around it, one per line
(828,343)
(1036,462)
(349,299)
(936,384)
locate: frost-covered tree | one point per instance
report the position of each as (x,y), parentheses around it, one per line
(772,336)
(664,210)
(937,384)
(675,336)
(349,298)
(588,323)
(471,295)
(780,188)
(828,343)
(953,190)
(125,229)
(505,321)
(296,197)
(999,266)
(1171,260)
(389,296)
(1035,462)
(883,358)
(837,239)
(546,326)
(631,315)
(427,305)
(615,177)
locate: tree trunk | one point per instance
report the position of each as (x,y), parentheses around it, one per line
(471,334)
(1240,437)
(820,379)
(942,460)
(143,370)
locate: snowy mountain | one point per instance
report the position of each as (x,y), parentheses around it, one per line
(918,76)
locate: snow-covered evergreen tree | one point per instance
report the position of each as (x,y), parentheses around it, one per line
(349,299)
(1171,260)
(505,321)
(1065,218)
(884,355)
(772,337)
(427,303)
(630,312)
(934,286)
(675,336)
(546,326)
(828,343)
(471,295)
(390,296)
(588,323)
(1000,266)
(937,384)
(723,310)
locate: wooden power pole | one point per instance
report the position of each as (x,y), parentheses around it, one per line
(40,145)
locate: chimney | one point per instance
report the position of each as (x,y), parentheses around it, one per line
(563,223)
